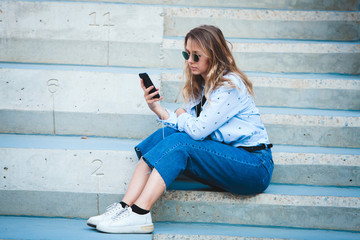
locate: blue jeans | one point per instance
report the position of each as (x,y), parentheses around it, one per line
(232,169)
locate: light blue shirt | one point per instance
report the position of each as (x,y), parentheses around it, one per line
(229,116)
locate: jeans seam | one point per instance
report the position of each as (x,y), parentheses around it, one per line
(169,150)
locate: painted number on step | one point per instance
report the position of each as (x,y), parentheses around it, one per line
(97,163)
(53,85)
(105,18)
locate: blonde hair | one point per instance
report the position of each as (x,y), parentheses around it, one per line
(221,61)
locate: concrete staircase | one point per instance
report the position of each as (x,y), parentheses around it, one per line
(71,110)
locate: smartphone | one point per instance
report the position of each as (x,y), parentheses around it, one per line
(147,82)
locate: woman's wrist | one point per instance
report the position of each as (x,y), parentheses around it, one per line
(160,112)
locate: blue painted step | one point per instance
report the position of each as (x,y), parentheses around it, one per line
(35,228)
(31,228)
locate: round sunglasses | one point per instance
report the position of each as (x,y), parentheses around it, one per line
(195,57)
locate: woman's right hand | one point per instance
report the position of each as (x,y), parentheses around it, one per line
(153,102)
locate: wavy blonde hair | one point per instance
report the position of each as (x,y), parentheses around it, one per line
(221,61)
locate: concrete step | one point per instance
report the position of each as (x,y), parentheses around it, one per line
(269,24)
(66,163)
(316,166)
(207,231)
(51,175)
(34,228)
(339,5)
(55,99)
(312,127)
(63,154)
(99,34)
(324,91)
(74,100)
(279,55)
(80,33)
(331,208)
(83,166)
(281,205)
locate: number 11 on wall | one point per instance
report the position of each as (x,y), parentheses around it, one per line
(106,18)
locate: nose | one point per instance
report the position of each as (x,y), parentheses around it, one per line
(191,60)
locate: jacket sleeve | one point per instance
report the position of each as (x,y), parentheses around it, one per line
(171,121)
(223,104)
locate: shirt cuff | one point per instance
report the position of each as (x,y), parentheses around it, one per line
(171,121)
(181,120)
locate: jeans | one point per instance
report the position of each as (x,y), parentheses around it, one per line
(220,165)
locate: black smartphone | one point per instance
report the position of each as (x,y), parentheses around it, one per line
(147,82)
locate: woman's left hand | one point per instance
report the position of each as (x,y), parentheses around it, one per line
(180,111)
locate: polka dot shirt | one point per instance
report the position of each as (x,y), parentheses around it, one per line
(229,116)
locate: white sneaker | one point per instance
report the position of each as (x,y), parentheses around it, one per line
(111,211)
(127,222)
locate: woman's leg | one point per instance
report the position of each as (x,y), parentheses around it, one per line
(220,165)
(152,191)
(136,186)
(229,168)
(143,171)
(145,184)
(137,183)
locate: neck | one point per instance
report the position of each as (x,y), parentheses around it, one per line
(203,76)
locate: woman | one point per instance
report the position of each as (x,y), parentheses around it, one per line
(217,138)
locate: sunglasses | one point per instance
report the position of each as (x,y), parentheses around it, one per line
(195,57)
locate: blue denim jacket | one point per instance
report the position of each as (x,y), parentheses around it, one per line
(229,116)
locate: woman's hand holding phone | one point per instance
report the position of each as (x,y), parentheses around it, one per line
(149,97)
(152,100)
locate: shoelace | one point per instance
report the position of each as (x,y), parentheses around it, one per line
(126,212)
(113,208)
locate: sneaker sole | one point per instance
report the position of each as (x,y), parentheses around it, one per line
(91,225)
(128,229)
